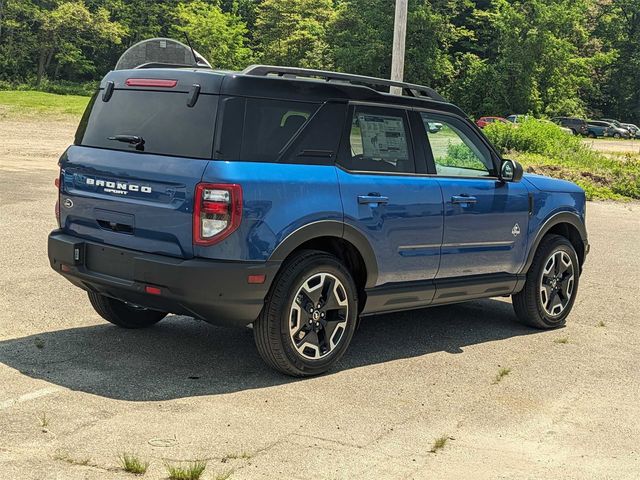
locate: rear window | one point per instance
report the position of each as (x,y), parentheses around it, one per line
(162,119)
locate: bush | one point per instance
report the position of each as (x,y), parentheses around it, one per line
(532,136)
(542,147)
(60,87)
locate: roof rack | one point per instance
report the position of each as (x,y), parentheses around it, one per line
(409,89)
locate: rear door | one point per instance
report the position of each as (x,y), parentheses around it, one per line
(485,219)
(140,150)
(398,211)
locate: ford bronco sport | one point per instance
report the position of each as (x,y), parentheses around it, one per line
(299,201)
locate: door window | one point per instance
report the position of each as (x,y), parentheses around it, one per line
(378,141)
(454,153)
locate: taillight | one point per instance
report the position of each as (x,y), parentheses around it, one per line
(56,182)
(217,212)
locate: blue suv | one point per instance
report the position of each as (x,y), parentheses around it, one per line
(299,201)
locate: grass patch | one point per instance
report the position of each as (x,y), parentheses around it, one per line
(191,471)
(503,372)
(562,340)
(544,149)
(223,475)
(133,464)
(15,103)
(439,443)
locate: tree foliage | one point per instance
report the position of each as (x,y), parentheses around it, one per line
(546,57)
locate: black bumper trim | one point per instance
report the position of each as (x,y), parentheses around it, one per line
(212,290)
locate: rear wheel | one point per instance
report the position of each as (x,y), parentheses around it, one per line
(551,286)
(309,315)
(124,314)
(616,135)
(592,135)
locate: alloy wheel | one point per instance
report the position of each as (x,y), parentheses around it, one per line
(318,316)
(556,283)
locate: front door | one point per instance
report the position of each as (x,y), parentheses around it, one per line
(485,219)
(398,211)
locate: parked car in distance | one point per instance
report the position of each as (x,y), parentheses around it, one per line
(633,129)
(566,130)
(266,197)
(619,130)
(517,118)
(484,121)
(598,128)
(577,125)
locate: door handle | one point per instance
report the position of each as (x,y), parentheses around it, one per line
(372,198)
(463,199)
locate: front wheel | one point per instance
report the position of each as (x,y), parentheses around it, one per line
(551,286)
(616,135)
(309,315)
(124,314)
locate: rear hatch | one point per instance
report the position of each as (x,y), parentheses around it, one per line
(141,148)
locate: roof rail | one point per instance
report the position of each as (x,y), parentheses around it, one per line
(408,89)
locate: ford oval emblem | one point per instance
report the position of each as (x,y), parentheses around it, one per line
(68,203)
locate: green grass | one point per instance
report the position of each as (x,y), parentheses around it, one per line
(236,456)
(543,148)
(43,419)
(15,103)
(503,372)
(439,443)
(191,471)
(132,464)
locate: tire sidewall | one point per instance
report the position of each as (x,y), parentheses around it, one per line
(564,245)
(313,266)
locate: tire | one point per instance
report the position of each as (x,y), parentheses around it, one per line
(529,303)
(293,335)
(575,132)
(122,314)
(592,135)
(616,135)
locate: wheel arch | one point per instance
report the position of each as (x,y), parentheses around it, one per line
(339,239)
(566,224)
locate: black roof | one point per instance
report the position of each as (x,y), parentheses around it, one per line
(285,86)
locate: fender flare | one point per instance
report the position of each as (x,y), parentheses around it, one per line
(330,228)
(561,217)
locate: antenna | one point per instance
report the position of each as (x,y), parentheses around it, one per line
(193,52)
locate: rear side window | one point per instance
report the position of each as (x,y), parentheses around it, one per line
(379,141)
(162,119)
(269,126)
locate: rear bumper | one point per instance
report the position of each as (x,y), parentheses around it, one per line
(214,291)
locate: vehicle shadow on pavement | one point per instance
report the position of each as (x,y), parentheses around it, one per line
(181,357)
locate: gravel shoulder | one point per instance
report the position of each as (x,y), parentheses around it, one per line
(185,390)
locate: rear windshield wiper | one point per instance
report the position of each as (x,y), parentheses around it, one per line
(133,140)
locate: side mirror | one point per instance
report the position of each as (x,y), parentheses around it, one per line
(510,171)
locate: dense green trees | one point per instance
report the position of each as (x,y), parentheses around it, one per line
(490,56)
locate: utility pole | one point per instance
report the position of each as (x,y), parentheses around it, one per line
(399,36)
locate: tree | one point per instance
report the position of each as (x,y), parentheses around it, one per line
(294,32)
(65,30)
(219,36)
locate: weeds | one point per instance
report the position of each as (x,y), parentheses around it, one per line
(43,419)
(543,148)
(439,443)
(503,372)
(602,324)
(192,471)
(223,475)
(562,340)
(132,464)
